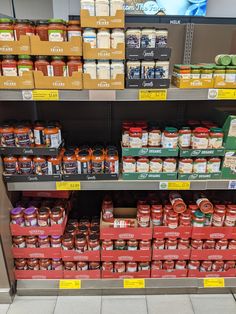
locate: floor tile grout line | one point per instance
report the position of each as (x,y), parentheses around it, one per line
(9,307)
(233,296)
(101,304)
(146,304)
(55,305)
(191,303)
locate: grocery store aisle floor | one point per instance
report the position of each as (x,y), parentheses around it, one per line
(158,304)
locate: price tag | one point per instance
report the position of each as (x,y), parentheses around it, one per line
(152,94)
(214,282)
(222,93)
(179,185)
(134,283)
(232,185)
(68,186)
(40,94)
(69,284)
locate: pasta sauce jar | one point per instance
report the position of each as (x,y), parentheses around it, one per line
(41,30)
(200,139)
(22,136)
(24,64)
(56,30)
(41,64)
(74,64)
(10,165)
(7,135)
(6,29)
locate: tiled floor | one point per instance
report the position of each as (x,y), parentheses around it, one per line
(158,304)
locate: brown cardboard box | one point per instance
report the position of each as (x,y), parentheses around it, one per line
(58,82)
(104,54)
(117,83)
(52,48)
(192,83)
(26,81)
(17,47)
(117,21)
(219,82)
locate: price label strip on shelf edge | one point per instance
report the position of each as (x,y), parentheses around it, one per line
(222,94)
(134,283)
(69,284)
(68,186)
(175,185)
(40,94)
(153,94)
(214,282)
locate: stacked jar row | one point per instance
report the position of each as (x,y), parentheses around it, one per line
(147,69)
(146,38)
(104,38)
(102,7)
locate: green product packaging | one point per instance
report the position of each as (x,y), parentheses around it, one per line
(223,60)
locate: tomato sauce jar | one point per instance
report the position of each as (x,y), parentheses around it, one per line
(7,138)
(142,164)
(54,165)
(70,266)
(94,265)
(25,165)
(44,241)
(80,243)
(56,30)
(156,265)
(177,202)
(56,216)
(93,243)
(67,242)
(206,266)
(218,266)
(41,30)
(209,245)
(30,216)
(180,264)
(143,216)
(74,64)
(157,215)
(97,162)
(45,264)
(6,29)
(200,165)
(40,165)
(171,244)
(107,245)
(213,165)
(200,138)
(33,263)
(230,217)
(197,244)
(185,135)
(172,221)
(145,245)
(183,244)
(193,265)
(198,219)
(169,165)
(132,245)
(22,136)
(126,125)
(10,165)
(168,265)
(52,136)
(9,65)
(31,241)
(131,267)
(70,163)
(170,138)
(221,244)
(18,241)
(22,27)
(42,64)
(154,136)
(111,164)
(43,216)
(185,165)
(229,265)
(218,216)
(135,137)
(24,64)
(158,244)
(216,138)
(20,263)
(119,245)
(232,245)
(119,267)
(55,241)
(129,164)
(73,29)
(107,266)
(143,266)
(58,66)
(57,264)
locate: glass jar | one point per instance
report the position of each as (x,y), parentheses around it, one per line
(67,242)
(31,241)
(213,165)
(132,245)
(40,165)
(230,75)
(43,216)
(129,164)
(56,241)
(119,245)
(170,138)
(58,66)
(74,64)
(41,30)
(93,242)
(88,5)
(107,245)
(80,243)
(135,137)
(18,242)
(219,71)
(111,162)
(216,138)
(20,263)
(9,65)
(200,138)
(107,266)
(97,162)
(10,165)
(116,5)
(82,266)
(41,64)
(73,29)
(6,29)
(145,245)
(56,30)
(198,219)
(57,264)
(169,165)
(22,27)
(25,165)
(195,72)
(30,217)
(143,164)
(45,264)
(7,135)
(22,136)
(185,135)
(200,165)
(143,216)
(56,216)
(102,8)
(70,266)
(52,136)
(154,136)
(207,72)
(185,165)
(33,263)
(43,242)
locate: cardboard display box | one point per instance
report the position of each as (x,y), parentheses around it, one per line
(58,82)
(161,54)
(202,152)
(90,177)
(16,47)
(192,83)
(212,274)
(216,233)
(149,176)
(147,83)
(126,256)
(55,48)
(107,232)
(85,274)
(117,21)
(31,177)
(47,194)
(37,151)
(139,274)
(51,252)
(230,132)
(113,84)
(219,255)
(150,151)
(161,232)
(170,254)
(104,53)
(175,273)
(72,255)
(38,274)
(219,82)
(26,81)
(229,165)
(200,176)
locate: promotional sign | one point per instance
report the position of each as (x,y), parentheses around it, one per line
(166,7)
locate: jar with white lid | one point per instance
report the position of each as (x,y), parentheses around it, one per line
(147,69)
(103,70)
(117,67)
(162,69)
(90,36)
(133,38)
(148,38)
(116,5)
(133,69)
(117,36)
(104,38)
(88,5)
(90,67)
(102,8)
(161,38)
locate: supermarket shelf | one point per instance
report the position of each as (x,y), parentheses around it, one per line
(115,286)
(123,95)
(117,185)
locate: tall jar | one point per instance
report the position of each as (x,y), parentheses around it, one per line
(6,29)
(56,30)
(116,5)
(102,8)
(103,38)
(73,29)
(41,30)
(88,5)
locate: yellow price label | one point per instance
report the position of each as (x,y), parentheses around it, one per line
(134,283)
(69,284)
(152,94)
(222,93)
(39,94)
(214,282)
(68,186)
(180,185)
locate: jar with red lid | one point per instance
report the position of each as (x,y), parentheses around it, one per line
(145,245)
(57,264)
(200,138)
(43,216)
(107,266)
(180,264)
(119,245)
(22,27)
(209,245)
(172,221)
(171,244)
(67,242)
(168,265)
(183,244)
(129,164)
(154,136)
(94,265)
(43,241)
(107,245)
(218,216)
(119,267)
(216,138)
(56,30)
(93,243)
(20,263)
(9,65)
(135,137)
(131,267)
(82,266)
(197,244)
(230,216)
(58,66)
(200,165)
(18,241)
(156,265)
(157,215)
(31,241)
(97,161)
(22,136)
(73,29)
(229,265)
(232,245)
(192,208)
(25,165)
(185,165)
(74,64)
(70,266)
(56,216)
(10,165)
(169,164)
(206,266)
(184,220)
(132,245)
(143,216)
(170,138)
(7,138)
(41,30)
(221,244)
(177,202)
(55,241)
(218,266)
(33,263)
(155,164)
(30,216)
(107,209)
(185,135)
(24,64)
(143,125)
(203,203)
(194,265)
(40,165)
(45,264)
(6,29)
(142,164)
(158,244)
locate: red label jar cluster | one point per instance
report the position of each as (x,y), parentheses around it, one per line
(42,241)
(211,244)
(199,165)
(81,266)
(125,267)
(129,245)
(38,264)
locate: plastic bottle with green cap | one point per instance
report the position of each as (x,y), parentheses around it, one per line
(223,60)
